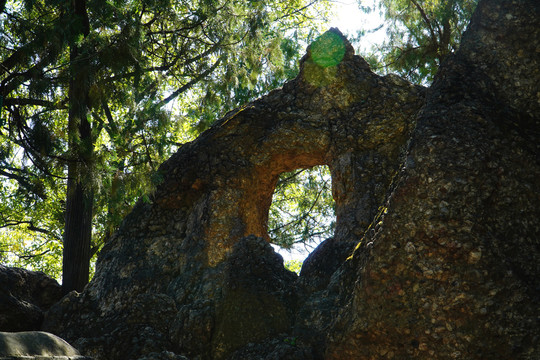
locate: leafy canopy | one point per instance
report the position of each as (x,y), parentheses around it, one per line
(420,34)
(303,209)
(158,72)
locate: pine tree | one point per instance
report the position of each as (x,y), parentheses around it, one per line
(420,34)
(88,89)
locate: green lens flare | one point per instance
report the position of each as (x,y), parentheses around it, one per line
(328,50)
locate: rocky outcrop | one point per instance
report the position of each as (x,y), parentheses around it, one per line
(436,200)
(24,297)
(452,272)
(181,275)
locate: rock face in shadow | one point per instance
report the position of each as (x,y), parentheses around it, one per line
(453,269)
(322,263)
(24,297)
(436,200)
(258,299)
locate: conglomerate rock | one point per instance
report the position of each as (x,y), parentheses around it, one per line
(24,297)
(438,196)
(180,273)
(452,271)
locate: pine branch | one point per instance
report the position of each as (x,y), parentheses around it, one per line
(36,102)
(305,215)
(31,227)
(283,182)
(426,20)
(189,85)
(21,180)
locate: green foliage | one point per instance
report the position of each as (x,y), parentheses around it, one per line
(30,228)
(420,34)
(157,73)
(303,209)
(294,266)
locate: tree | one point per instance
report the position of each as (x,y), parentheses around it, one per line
(420,34)
(87,91)
(303,210)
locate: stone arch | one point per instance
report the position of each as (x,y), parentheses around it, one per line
(256,209)
(460,231)
(216,192)
(351,120)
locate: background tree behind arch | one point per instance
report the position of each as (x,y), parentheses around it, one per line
(303,209)
(419,35)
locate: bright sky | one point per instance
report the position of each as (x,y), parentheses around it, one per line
(348,19)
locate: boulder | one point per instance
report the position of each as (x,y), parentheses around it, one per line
(31,344)
(24,297)
(322,263)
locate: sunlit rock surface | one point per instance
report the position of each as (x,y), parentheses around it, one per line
(37,345)
(436,194)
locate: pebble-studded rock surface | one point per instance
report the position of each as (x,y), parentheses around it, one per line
(436,192)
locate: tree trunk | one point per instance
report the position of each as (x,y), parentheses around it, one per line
(79,197)
(77,230)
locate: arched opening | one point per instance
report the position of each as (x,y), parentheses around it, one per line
(302,213)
